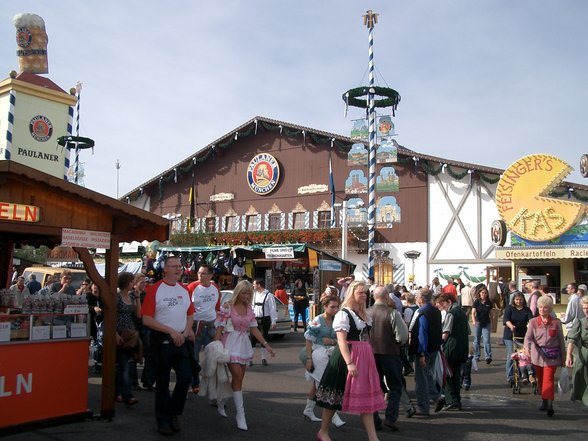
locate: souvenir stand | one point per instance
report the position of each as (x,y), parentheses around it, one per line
(276,263)
(44,354)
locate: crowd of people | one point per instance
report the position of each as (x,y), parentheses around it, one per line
(359,348)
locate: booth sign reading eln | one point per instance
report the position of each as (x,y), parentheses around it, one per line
(19,212)
(523,202)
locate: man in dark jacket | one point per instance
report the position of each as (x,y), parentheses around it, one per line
(455,348)
(388,334)
(425,341)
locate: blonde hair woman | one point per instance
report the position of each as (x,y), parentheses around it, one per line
(350,382)
(236,339)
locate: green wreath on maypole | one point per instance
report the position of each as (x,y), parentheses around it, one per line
(387,97)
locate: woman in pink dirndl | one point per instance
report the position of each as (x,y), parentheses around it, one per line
(350,382)
(235,322)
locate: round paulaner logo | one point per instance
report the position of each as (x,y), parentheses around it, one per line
(41,128)
(263,173)
(23,37)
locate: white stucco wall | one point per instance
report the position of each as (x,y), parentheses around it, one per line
(460,219)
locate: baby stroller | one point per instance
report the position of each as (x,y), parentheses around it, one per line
(96,348)
(522,369)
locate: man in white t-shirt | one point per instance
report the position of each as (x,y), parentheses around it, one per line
(206,299)
(168,311)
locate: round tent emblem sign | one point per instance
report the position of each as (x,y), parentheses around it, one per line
(263,173)
(23,37)
(498,232)
(41,128)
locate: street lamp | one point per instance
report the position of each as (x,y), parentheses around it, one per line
(412,255)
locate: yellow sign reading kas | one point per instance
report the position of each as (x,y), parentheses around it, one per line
(522,201)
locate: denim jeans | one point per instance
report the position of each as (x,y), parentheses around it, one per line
(123,374)
(300,311)
(390,369)
(482,332)
(170,356)
(508,345)
(425,386)
(466,373)
(203,335)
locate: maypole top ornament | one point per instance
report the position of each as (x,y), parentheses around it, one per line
(391,98)
(78,142)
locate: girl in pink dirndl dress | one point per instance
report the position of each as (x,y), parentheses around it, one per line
(351,382)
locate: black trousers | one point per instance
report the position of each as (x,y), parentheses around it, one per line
(263,324)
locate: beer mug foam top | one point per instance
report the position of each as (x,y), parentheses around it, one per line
(31,40)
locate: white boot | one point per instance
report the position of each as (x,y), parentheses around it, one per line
(238,398)
(309,411)
(220,407)
(337,421)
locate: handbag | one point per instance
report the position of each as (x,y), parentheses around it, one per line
(302,355)
(229,325)
(549,353)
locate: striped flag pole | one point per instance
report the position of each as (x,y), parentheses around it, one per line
(10,127)
(369,20)
(77,164)
(70,118)
(332,190)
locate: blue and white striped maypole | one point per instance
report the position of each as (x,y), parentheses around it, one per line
(77,164)
(369,20)
(70,118)
(10,128)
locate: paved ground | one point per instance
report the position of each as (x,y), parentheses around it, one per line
(275,397)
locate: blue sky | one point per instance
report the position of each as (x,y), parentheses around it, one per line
(484,81)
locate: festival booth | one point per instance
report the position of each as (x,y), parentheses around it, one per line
(43,353)
(276,263)
(548,236)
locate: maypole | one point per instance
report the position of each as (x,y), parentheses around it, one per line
(369,20)
(374,97)
(77,164)
(76,142)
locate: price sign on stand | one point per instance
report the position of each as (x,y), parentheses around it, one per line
(76,309)
(59,331)
(78,330)
(41,332)
(4,331)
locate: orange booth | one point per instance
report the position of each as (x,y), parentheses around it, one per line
(44,351)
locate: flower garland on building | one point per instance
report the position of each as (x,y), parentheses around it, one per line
(430,167)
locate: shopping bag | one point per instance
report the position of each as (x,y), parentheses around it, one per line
(563,384)
(441,369)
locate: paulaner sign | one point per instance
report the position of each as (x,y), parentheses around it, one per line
(523,203)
